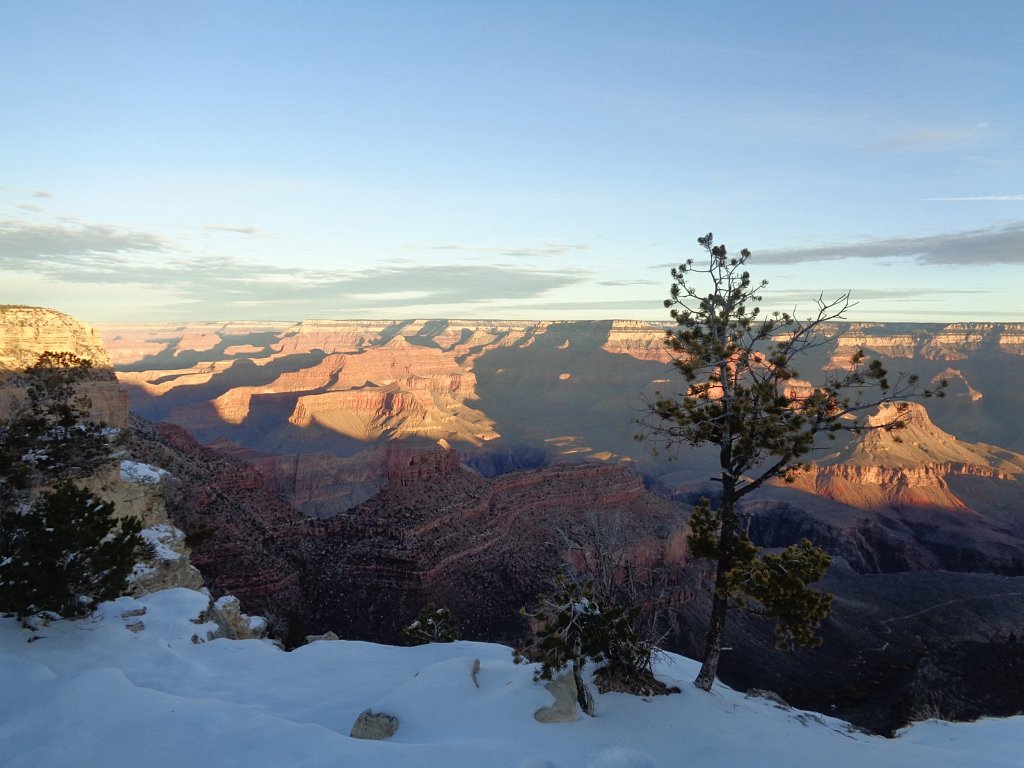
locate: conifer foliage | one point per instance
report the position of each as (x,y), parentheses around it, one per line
(433,625)
(61,548)
(741,396)
(66,554)
(570,628)
(51,436)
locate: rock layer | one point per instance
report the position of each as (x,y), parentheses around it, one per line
(27,332)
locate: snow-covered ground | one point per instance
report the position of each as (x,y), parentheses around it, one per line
(135,472)
(94,693)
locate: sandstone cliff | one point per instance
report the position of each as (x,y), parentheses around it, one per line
(908,467)
(27,332)
(135,489)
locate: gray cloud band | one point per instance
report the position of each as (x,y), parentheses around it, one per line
(995,245)
(107,255)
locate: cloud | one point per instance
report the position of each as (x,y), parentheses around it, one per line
(116,258)
(547,249)
(994,245)
(623,283)
(908,293)
(941,139)
(979,198)
(633,304)
(42,193)
(20,240)
(29,207)
(235,230)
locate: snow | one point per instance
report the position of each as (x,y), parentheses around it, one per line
(136,472)
(93,693)
(160,536)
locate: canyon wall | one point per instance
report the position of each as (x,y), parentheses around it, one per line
(27,332)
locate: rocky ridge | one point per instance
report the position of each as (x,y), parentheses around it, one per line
(135,488)
(907,467)
(27,332)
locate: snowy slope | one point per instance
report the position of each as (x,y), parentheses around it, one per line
(96,694)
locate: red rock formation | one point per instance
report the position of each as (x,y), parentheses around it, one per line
(908,467)
(482,547)
(233,406)
(131,343)
(332,336)
(243,533)
(644,341)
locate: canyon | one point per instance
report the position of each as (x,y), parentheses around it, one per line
(338,475)
(924,525)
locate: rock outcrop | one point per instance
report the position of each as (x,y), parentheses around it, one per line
(907,467)
(27,332)
(134,489)
(644,341)
(242,533)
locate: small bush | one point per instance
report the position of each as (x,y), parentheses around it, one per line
(433,625)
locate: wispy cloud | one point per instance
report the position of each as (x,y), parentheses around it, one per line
(253,231)
(624,283)
(42,193)
(29,207)
(20,240)
(546,249)
(901,293)
(115,258)
(933,139)
(994,245)
(976,198)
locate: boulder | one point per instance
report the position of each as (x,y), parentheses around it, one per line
(374,726)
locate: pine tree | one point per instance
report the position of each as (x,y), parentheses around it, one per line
(65,554)
(433,625)
(51,436)
(571,627)
(61,548)
(740,397)
(602,556)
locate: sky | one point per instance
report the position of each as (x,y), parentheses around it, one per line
(170,161)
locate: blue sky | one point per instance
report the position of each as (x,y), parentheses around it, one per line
(255,160)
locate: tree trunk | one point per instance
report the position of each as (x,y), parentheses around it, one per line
(716,628)
(720,599)
(583,694)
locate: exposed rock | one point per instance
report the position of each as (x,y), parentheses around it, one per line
(135,489)
(130,344)
(772,696)
(242,532)
(325,636)
(170,565)
(644,341)
(226,612)
(323,485)
(908,467)
(482,547)
(564,709)
(27,332)
(374,725)
(956,385)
